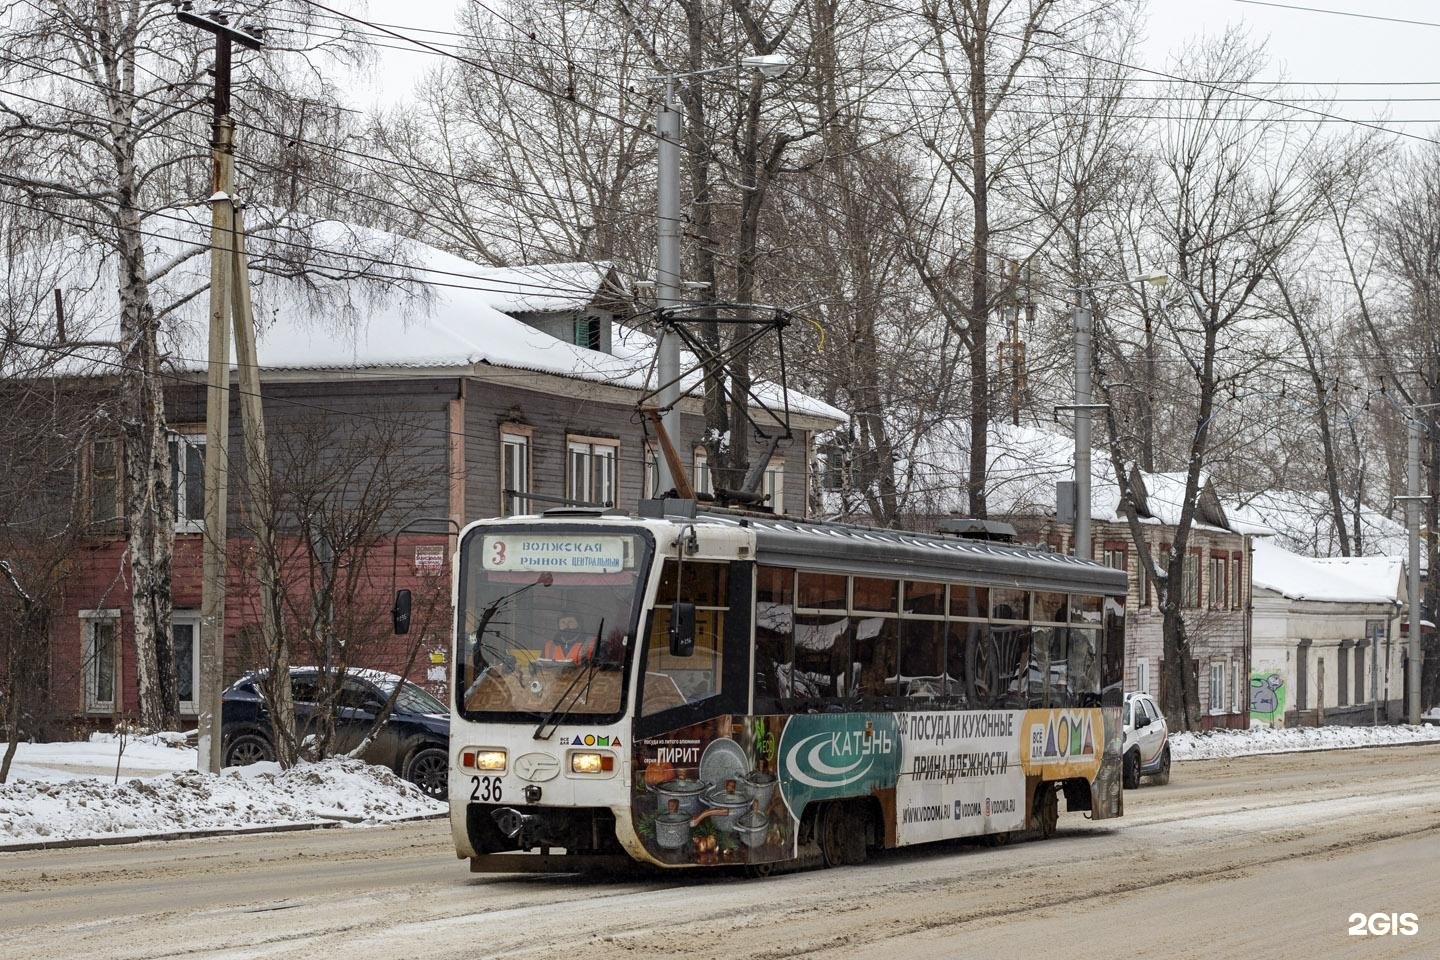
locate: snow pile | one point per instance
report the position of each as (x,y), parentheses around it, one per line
(260,795)
(152,755)
(1214,744)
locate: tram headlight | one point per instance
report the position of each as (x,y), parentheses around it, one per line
(489,759)
(585,762)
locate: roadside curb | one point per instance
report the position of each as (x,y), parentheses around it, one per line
(325,823)
(1281,753)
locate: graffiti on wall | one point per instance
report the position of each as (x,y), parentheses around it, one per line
(1267,696)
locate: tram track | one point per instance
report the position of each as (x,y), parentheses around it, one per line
(1213,850)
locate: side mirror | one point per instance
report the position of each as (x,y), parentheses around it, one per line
(373,707)
(400,613)
(1142,720)
(682,629)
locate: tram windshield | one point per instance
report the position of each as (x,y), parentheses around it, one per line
(547,621)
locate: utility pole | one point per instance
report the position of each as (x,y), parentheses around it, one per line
(217,394)
(1083,406)
(668,272)
(1412,523)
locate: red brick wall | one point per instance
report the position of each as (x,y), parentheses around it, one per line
(101,581)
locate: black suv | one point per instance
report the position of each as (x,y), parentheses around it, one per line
(413,742)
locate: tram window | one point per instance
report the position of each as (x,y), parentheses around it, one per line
(676,681)
(1084,660)
(925,599)
(968,601)
(822,591)
(969,680)
(1050,682)
(1085,609)
(704,585)
(1049,608)
(875,649)
(922,660)
(880,596)
(1112,660)
(1010,604)
(774,629)
(822,658)
(1010,647)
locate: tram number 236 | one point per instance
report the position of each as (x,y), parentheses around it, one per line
(485,789)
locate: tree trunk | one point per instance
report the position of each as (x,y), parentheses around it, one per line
(149,513)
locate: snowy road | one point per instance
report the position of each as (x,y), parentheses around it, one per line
(1236,858)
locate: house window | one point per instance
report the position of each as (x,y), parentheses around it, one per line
(1217,687)
(185,635)
(587,333)
(104,480)
(702,473)
(775,485)
(1142,581)
(591,474)
(187,481)
(652,474)
(1142,675)
(102,659)
(1191,597)
(1219,583)
(514,471)
(1360,672)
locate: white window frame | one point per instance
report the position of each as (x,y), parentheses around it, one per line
(592,449)
(182,443)
(700,472)
(650,483)
(190,618)
(511,436)
(1218,677)
(88,619)
(1142,675)
(774,485)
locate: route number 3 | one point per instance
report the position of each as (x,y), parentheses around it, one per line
(485,789)
(497,559)
(1383,924)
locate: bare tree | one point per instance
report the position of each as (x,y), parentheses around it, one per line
(343,486)
(1229,197)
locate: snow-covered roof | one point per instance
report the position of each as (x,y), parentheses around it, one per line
(418,308)
(1302,521)
(541,288)
(1305,578)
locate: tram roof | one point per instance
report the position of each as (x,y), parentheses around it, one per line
(845,548)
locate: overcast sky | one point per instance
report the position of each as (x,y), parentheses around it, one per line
(1306,47)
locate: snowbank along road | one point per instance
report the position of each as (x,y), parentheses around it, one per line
(1236,858)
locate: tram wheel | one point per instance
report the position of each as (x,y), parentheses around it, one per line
(1047,810)
(841,834)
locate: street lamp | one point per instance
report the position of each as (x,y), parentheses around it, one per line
(668,269)
(1083,320)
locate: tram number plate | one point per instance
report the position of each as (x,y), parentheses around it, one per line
(485,789)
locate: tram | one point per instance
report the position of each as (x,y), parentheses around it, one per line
(690,689)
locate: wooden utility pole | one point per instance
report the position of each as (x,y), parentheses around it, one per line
(217,395)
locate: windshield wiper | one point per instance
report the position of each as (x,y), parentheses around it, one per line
(556,716)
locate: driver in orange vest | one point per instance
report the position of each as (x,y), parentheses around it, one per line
(569,643)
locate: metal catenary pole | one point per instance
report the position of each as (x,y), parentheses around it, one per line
(1412,523)
(1083,405)
(668,272)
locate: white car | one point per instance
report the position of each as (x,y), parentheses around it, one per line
(1147,741)
(1431,717)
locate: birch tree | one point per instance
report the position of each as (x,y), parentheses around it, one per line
(105,128)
